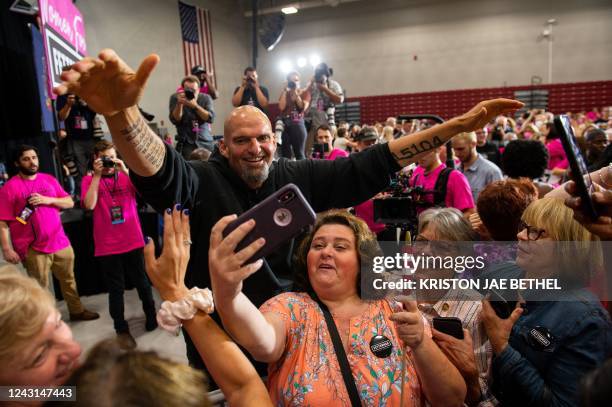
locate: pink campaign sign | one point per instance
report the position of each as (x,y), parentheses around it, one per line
(63,33)
(63,17)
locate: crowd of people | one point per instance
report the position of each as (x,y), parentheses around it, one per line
(485,176)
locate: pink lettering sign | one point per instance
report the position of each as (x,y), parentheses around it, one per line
(66,20)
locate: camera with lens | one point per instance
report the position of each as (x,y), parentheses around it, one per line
(189,94)
(197,70)
(399,208)
(279,128)
(291,85)
(107,162)
(320,77)
(70,162)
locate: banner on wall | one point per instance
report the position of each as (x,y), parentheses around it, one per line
(63,32)
(46,109)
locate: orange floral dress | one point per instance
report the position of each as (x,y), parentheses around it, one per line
(308,373)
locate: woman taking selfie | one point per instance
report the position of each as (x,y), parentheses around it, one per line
(291,333)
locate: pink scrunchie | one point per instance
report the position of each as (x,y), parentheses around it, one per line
(171,314)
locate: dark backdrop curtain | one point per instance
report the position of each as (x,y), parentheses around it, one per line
(19,102)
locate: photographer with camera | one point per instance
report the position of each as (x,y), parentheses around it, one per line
(79,123)
(441,186)
(207,86)
(325,94)
(292,104)
(118,238)
(192,113)
(250,92)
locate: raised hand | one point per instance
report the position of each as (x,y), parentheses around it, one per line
(459,351)
(602,226)
(485,111)
(409,322)
(498,330)
(98,167)
(167,273)
(107,83)
(227,268)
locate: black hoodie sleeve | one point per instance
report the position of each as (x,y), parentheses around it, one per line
(177,181)
(344,182)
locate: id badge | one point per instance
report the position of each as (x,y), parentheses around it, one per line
(116,215)
(84,125)
(78,122)
(295,116)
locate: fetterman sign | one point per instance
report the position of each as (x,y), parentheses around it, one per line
(64,37)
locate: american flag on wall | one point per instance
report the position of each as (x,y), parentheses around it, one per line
(197,38)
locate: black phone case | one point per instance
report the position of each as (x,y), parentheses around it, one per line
(502,307)
(278,218)
(449,325)
(577,164)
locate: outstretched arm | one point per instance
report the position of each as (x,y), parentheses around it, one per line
(224,360)
(110,87)
(263,335)
(408,149)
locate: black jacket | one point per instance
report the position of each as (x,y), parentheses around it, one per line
(212,190)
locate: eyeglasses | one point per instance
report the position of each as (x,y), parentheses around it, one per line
(533,233)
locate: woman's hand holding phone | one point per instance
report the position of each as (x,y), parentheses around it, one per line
(227,267)
(602,226)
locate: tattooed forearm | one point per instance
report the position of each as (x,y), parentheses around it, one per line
(412,150)
(145,142)
(131,131)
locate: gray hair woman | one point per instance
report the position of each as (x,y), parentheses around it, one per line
(445,224)
(441,233)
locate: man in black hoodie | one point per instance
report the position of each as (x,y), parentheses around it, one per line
(241,172)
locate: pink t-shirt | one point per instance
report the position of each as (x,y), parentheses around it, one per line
(458,191)
(335,153)
(556,155)
(43,230)
(365,211)
(120,237)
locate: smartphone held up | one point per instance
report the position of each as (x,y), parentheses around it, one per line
(278,218)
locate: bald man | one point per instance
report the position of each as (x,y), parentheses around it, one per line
(241,172)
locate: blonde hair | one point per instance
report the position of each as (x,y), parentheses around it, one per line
(24,309)
(131,378)
(467,137)
(578,251)
(387,134)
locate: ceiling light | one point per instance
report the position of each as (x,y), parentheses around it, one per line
(289,10)
(286,66)
(314,60)
(301,62)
